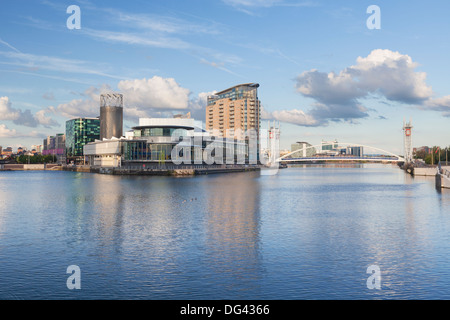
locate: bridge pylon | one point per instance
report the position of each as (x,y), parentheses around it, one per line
(407,142)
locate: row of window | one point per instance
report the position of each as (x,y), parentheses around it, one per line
(159,132)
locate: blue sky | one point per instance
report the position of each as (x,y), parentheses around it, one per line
(322,73)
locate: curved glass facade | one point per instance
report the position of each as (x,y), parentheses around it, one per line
(146,147)
(159,132)
(142,151)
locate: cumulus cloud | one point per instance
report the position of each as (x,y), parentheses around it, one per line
(79,108)
(155,93)
(339,96)
(391,75)
(44,120)
(153,97)
(197,105)
(7,133)
(382,73)
(25,118)
(87,106)
(6,110)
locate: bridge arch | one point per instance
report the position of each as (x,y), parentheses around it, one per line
(399,159)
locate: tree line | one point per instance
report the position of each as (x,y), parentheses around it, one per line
(435,155)
(36,159)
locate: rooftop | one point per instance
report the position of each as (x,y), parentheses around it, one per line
(255,85)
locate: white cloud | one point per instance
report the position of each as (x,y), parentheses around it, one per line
(439,104)
(393,75)
(383,72)
(165,24)
(155,96)
(36,63)
(79,108)
(158,41)
(42,118)
(7,133)
(25,118)
(295,116)
(338,96)
(249,6)
(154,93)
(9,46)
(197,105)
(6,111)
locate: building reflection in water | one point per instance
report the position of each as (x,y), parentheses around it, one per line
(96,203)
(233,226)
(4,197)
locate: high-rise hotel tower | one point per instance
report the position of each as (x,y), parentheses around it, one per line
(232,109)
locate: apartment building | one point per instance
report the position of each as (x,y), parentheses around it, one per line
(234,111)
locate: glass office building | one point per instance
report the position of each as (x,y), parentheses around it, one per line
(154,140)
(79,132)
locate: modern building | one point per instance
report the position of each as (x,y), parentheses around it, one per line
(332,148)
(308,151)
(330,145)
(356,151)
(234,109)
(79,132)
(111,116)
(55,146)
(234,113)
(154,141)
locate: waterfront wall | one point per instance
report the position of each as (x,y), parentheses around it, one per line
(164,170)
(443,178)
(425,171)
(88,169)
(428,171)
(29,167)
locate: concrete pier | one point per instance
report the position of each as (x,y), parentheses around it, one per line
(443,178)
(183,170)
(431,172)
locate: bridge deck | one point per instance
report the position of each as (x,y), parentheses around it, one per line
(343,159)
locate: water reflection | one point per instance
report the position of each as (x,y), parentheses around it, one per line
(307,233)
(233,224)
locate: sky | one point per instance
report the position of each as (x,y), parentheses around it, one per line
(324,71)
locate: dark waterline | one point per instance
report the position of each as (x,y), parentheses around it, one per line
(306,233)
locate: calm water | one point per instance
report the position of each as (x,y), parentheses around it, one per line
(307,233)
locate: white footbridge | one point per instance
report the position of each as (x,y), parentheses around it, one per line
(310,154)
